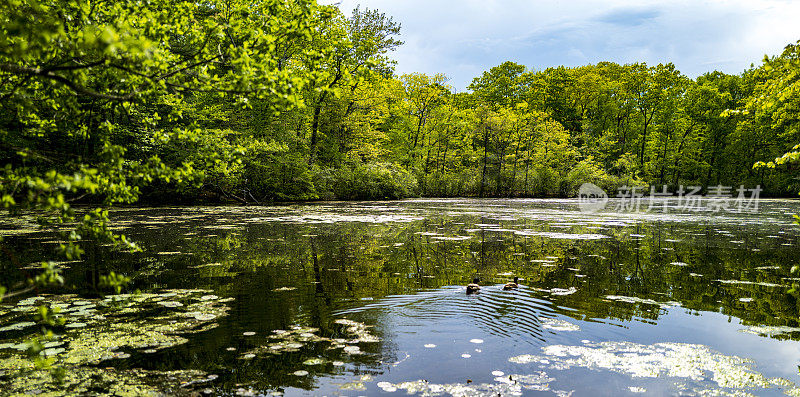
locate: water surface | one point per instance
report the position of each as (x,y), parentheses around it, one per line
(368,298)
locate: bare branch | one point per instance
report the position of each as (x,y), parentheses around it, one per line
(16,69)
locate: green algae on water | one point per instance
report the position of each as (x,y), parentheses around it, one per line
(104,329)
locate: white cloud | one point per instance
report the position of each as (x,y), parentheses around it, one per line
(464,38)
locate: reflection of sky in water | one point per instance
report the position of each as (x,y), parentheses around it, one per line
(718,281)
(572,349)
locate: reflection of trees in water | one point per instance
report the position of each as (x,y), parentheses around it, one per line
(333,266)
(350,261)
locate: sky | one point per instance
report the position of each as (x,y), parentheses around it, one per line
(463,38)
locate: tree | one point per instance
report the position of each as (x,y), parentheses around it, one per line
(357,47)
(93,94)
(502,85)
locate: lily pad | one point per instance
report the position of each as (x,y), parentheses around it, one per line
(18,326)
(170,304)
(314,361)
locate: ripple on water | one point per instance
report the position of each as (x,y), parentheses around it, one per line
(488,311)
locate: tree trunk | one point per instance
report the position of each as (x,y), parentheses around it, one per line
(514,172)
(483,173)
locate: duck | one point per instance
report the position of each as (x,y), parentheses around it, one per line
(473,288)
(511,285)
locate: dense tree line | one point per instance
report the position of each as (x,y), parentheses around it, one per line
(362,132)
(293,101)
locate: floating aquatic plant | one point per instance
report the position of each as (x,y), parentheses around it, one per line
(743,282)
(512,385)
(558,291)
(633,299)
(692,362)
(102,329)
(294,339)
(769,331)
(360,330)
(82,381)
(559,325)
(17,326)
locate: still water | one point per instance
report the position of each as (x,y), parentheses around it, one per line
(369,298)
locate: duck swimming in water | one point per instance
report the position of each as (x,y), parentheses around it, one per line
(511,285)
(473,288)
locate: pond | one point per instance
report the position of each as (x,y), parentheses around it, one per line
(369,298)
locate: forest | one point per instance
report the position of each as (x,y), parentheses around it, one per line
(228,102)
